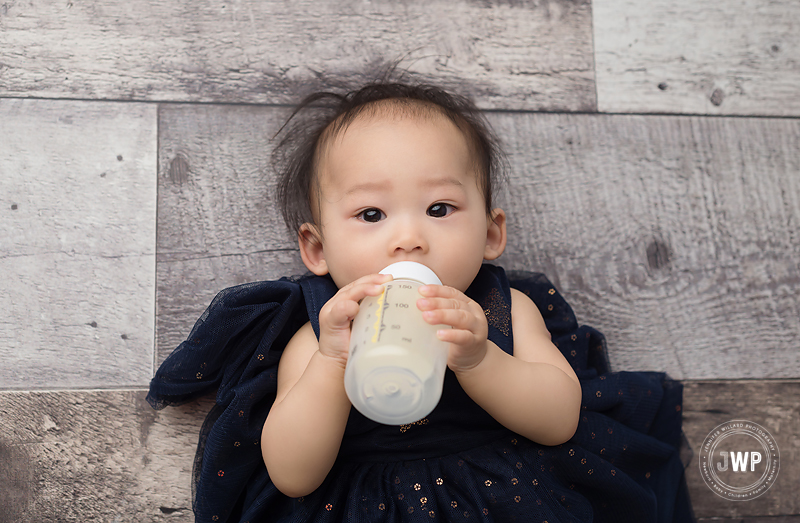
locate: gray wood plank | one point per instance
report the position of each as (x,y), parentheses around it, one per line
(683,56)
(217,224)
(77,243)
(677,237)
(106,456)
(96,456)
(773,404)
(512,55)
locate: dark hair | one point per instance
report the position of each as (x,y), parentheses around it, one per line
(321,116)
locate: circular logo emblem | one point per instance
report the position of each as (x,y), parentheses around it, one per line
(739,460)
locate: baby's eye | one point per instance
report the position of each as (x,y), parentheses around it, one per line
(440,210)
(371,215)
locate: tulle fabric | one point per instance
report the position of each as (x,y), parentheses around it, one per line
(457,464)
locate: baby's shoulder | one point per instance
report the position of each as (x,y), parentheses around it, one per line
(303,341)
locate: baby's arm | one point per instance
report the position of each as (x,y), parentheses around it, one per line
(304,429)
(534,392)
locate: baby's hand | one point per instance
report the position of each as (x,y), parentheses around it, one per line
(337,314)
(468,337)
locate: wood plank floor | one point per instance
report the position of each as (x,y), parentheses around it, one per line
(78,192)
(711,57)
(135,184)
(526,55)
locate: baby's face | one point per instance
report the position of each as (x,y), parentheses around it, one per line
(396,188)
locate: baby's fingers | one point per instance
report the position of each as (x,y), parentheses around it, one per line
(455,318)
(343,307)
(371,285)
(456,336)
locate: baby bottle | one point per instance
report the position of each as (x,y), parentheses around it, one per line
(395,371)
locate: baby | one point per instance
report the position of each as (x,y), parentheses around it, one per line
(400,173)
(396,172)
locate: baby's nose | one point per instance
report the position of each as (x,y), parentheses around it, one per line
(409,239)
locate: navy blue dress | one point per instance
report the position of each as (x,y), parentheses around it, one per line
(457,464)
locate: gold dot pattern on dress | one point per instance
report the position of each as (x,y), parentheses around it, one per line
(514,481)
(488,482)
(550,307)
(406,427)
(381,507)
(423,500)
(453,504)
(551,292)
(417,486)
(432,514)
(199,375)
(260,357)
(498,312)
(439,481)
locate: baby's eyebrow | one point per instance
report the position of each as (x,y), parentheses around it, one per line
(366,187)
(382,186)
(443,181)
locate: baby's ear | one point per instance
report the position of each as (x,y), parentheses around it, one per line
(495,235)
(311,249)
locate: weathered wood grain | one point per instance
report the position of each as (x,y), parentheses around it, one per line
(677,237)
(775,405)
(77,243)
(217,223)
(713,57)
(516,55)
(106,456)
(96,456)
